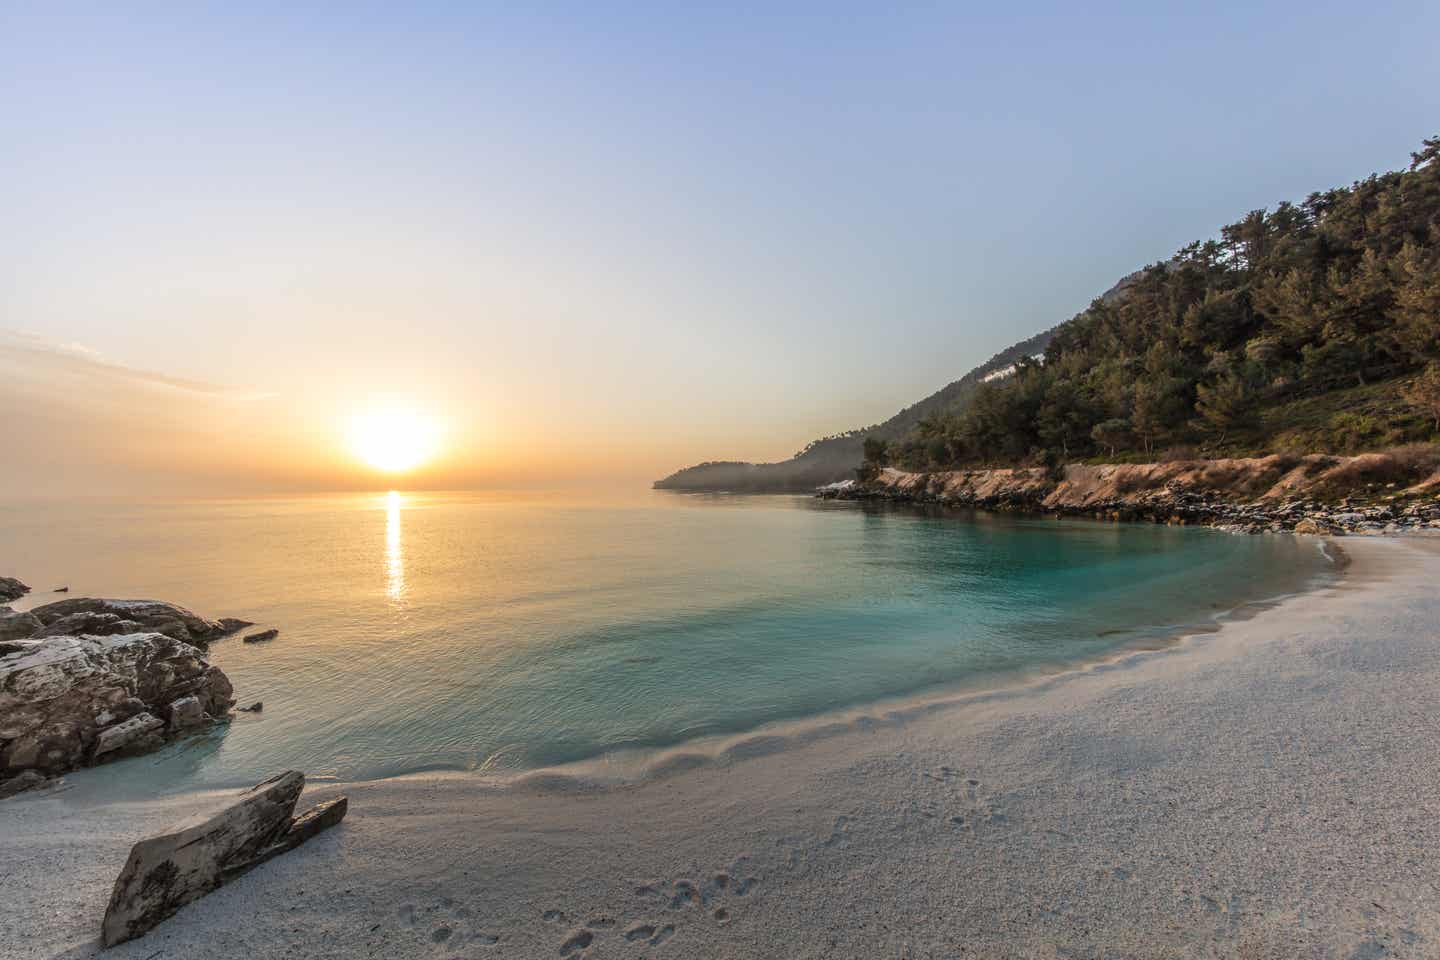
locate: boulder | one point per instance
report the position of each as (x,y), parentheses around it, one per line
(12,589)
(88,623)
(136,735)
(186,713)
(15,625)
(1316,528)
(166,871)
(262,636)
(29,780)
(66,702)
(150,615)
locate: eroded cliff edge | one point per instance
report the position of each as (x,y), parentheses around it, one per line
(1311,494)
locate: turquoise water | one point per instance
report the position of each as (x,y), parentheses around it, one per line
(476,631)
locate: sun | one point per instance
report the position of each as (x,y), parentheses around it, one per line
(393,441)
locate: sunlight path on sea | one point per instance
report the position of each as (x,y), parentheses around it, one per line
(394,553)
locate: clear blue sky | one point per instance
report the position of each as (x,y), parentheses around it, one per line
(640,228)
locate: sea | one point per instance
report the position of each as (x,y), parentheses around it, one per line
(504,633)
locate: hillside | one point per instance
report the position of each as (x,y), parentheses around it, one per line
(1310,328)
(836,457)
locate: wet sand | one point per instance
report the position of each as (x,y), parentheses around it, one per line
(1268,790)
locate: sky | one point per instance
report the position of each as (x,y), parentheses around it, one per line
(596,242)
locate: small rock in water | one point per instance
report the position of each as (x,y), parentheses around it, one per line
(255,707)
(262,635)
(61,590)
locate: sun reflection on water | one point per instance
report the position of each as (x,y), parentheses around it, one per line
(394,554)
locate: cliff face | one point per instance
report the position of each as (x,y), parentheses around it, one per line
(1272,492)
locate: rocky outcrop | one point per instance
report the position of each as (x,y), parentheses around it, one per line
(87,615)
(12,589)
(15,625)
(68,702)
(1245,495)
(168,870)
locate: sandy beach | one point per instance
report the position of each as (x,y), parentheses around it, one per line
(1268,790)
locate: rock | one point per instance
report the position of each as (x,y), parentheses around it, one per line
(15,625)
(29,780)
(231,624)
(166,871)
(151,615)
(187,713)
(1315,528)
(61,698)
(262,636)
(255,707)
(12,589)
(136,735)
(88,623)
(61,590)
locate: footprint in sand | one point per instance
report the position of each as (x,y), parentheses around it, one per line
(981,810)
(649,933)
(446,925)
(578,940)
(686,894)
(715,897)
(838,833)
(580,937)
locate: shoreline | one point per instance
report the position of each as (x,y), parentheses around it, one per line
(622,767)
(1115,808)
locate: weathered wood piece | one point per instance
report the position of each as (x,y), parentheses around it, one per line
(168,870)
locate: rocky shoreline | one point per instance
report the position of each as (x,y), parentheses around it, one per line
(84,681)
(1261,495)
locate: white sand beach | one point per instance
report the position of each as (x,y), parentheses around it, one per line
(1268,790)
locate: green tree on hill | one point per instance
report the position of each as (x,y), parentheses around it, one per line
(1424,393)
(1111,434)
(1226,404)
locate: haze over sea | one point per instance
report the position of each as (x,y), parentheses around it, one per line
(502,633)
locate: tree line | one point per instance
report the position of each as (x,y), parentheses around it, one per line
(1341,290)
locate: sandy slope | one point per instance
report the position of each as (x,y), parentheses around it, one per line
(1269,790)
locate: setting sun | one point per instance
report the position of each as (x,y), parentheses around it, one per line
(393,441)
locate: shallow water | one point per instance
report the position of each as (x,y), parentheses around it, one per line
(484,631)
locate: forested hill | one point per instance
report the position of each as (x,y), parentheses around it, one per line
(1312,327)
(836,457)
(1309,328)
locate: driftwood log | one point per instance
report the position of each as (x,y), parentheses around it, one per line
(168,870)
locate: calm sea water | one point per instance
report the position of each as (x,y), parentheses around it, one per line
(476,631)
